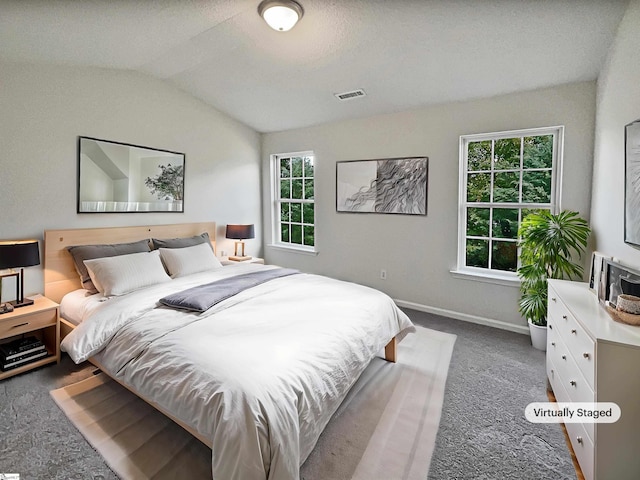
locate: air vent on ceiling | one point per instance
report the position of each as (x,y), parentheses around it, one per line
(350,95)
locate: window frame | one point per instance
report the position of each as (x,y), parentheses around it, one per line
(488,274)
(276,201)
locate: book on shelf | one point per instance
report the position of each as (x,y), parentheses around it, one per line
(17,362)
(22,346)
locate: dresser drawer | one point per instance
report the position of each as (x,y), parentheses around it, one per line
(580,434)
(572,379)
(579,343)
(568,383)
(27,323)
(583,447)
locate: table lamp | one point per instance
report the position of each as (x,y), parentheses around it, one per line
(240,232)
(18,254)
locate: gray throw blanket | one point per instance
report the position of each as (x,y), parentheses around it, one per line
(203,297)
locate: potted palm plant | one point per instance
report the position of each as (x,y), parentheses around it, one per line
(548,245)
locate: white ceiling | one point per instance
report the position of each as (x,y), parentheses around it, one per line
(404,53)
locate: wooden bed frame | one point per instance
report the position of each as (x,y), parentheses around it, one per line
(61,277)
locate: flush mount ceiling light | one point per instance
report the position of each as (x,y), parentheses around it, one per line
(280,15)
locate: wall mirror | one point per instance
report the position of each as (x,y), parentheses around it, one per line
(117,177)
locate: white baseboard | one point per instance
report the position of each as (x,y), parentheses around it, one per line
(490,322)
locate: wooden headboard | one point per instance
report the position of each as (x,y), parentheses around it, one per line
(60,275)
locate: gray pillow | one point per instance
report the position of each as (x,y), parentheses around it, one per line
(80,253)
(181,242)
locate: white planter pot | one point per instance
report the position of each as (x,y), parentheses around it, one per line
(538,336)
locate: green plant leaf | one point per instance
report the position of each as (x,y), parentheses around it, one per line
(549,243)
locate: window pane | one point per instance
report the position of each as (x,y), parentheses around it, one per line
(504,256)
(285,171)
(527,211)
(296,189)
(538,152)
(309,235)
(296,234)
(308,166)
(506,187)
(284,232)
(478,253)
(536,187)
(478,187)
(307,213)
(285,188)
(296,167)
(308,189)
(507,154)
(479,156)
(296,212)
(285,212)
(478,222)
(505,223)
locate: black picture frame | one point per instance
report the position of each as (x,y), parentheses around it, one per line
(618,279)
(385,185)
(632,183)
(118,177)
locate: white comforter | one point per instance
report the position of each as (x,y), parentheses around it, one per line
(259,374)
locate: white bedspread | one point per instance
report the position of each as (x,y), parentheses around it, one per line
(260,374)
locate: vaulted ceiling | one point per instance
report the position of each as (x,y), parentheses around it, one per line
(404,54)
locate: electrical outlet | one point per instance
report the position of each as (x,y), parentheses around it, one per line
(383,274)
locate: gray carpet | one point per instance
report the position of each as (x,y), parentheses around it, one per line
(483,433)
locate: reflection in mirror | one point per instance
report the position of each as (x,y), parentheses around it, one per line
(117,177)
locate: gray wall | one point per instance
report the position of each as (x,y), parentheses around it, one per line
(618,104)
(419,252)
(45,109)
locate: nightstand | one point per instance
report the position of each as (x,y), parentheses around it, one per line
(226,261)
(40,320)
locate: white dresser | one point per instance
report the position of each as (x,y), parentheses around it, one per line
(592,358)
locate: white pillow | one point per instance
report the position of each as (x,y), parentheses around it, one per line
(126,273)
(188,260)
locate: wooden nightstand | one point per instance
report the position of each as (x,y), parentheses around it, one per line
(226,261)
(40,320)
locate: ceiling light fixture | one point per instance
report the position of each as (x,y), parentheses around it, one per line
(281,15)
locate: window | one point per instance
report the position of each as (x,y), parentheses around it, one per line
(293,199)
(503,176)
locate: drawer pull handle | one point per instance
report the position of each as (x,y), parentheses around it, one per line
(574,331)
(550,327)
(553,344)
(564,357)
(579,439)
(20,325)
(564,316)
(573,383)
(586,355)
(553,299)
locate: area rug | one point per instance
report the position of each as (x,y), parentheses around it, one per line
(385,428)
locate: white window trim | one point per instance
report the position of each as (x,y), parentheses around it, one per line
(275,211)
(497,276)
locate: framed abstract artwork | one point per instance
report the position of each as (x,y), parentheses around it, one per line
(389,185)
(632,183)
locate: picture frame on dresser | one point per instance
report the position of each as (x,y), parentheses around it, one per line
(596,283)
(616,280)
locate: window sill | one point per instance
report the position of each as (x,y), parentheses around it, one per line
(507,280)
(291,249)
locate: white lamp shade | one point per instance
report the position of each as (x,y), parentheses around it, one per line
(281,15)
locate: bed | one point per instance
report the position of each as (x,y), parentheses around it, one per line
(256,376)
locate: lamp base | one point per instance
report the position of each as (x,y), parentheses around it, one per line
(24,303)
(238,258)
